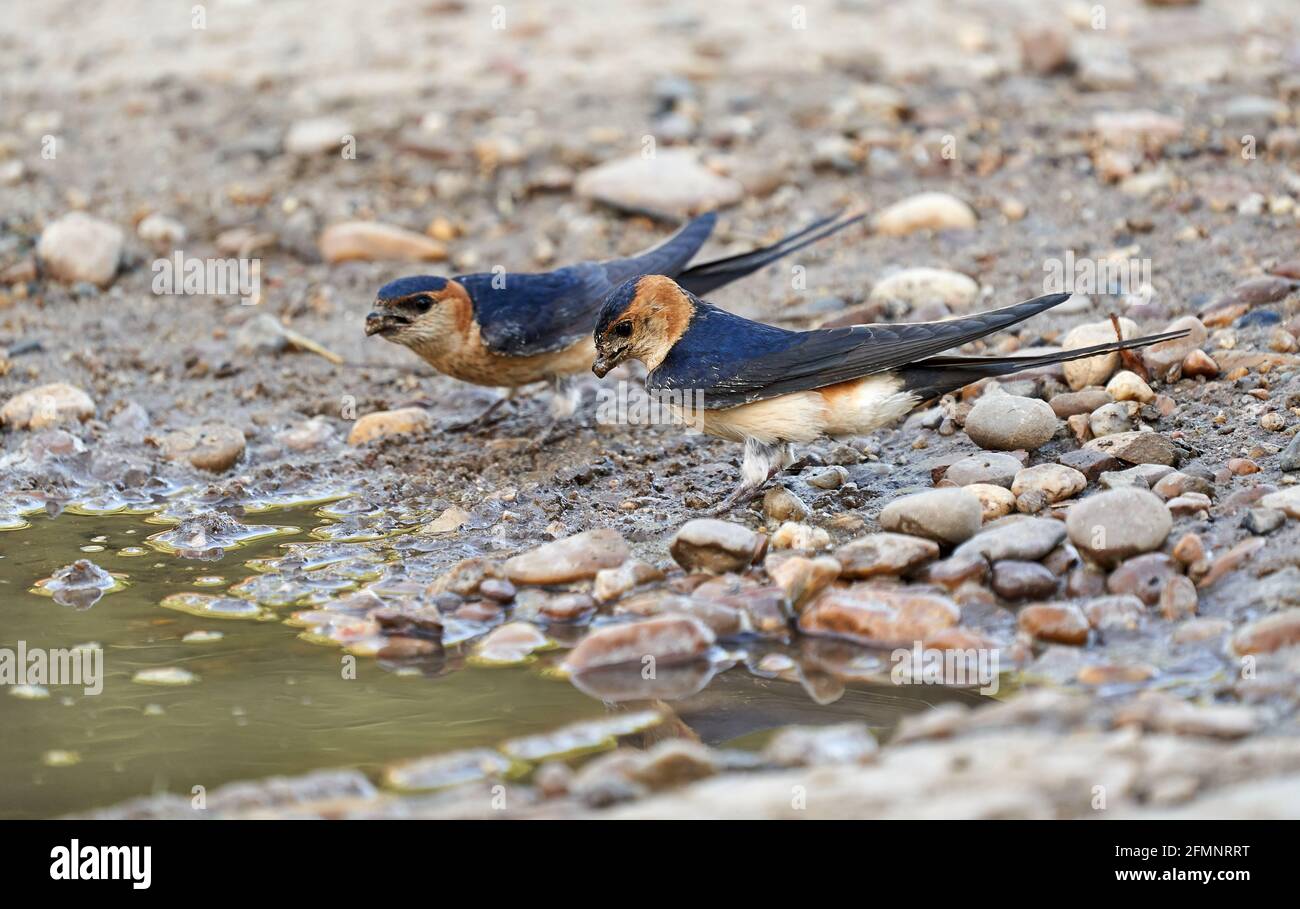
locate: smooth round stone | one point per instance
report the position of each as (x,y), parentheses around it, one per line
(995,501)
(916,287)
(925,211)
(1007,422)
(1054,481)
(574,558)
(1110,419)
(1143,576)
(213,447)
(780,504)
(669,639)
(78,247)
(671,184)
(1073,403)
(47,405)
(943,515)
(884,554)
(368,241)
(1128,386)
(1023,581)
(1060,623)
(1112,526)
(1027,539)
(708,544)
(1094,370)
(389,424)
(991,468)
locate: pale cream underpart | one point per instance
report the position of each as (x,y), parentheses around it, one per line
(850,409)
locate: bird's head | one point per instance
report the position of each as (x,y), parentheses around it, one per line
(417,311)
(641,320)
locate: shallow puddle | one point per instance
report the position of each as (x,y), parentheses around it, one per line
(201,688)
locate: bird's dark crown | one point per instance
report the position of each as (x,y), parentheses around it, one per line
(619,299)
(405,287)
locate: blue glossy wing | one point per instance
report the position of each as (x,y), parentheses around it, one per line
(525,314)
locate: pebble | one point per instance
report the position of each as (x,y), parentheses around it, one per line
(780,504)
(1112,526)
(160,231)
(1263,521)
(884,554)
(78,247)
(878,617)
(1287,501)
(316,135)
(214,447)
(1272,422)
(1092,464)
(1061,623)
(993,469)
(711,545)
(917,287)
(1138,448)
(925,211)
(1128,386)
(309,435)
(368,241)
(47,405)
(1176,483)
(510,645)
(1199,363)
(1143,576)
(165,675)
(1289,460)
(1085,401)
(1112,419)
(1093,370)
(1024,539)
(1007,422)
(1054,481)
(818,746)
(1014,580)
(672,184)
(1161,358)
(794,535)
(1142,476)
(612,583)
(1115,613)
(828,477)
(943,515)
(1136,129)
(1044,49)
(801,579)
(443,770)
(1268,634)
(995,501)
(668,639)
(574,558)
(1178,598)
(389,424)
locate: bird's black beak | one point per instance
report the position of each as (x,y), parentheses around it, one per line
(381,323)
(602,366)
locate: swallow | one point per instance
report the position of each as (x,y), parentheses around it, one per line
(509,330)
(770,387)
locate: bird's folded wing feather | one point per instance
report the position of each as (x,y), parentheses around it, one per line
(526,314)
(733,361)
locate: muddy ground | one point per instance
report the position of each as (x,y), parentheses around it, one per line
(474,136)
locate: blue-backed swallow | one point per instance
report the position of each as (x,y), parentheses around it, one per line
(769,387)
(508,330)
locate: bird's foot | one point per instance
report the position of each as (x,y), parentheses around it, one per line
(482,419)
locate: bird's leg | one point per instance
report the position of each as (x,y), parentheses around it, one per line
(565,403)
(761,463)
(481,419)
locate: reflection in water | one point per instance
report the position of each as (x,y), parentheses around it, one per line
(269,702)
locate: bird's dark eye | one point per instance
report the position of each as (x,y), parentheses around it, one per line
(623,329)
(422,304)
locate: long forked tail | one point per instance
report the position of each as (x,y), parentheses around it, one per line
(937,376)
(708,276)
